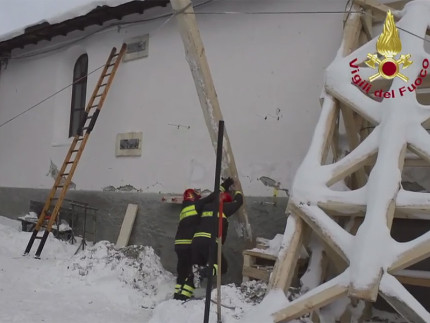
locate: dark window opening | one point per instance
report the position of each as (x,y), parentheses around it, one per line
(79,93)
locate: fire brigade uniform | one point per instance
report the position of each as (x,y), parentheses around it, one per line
(189,219)
(202,238)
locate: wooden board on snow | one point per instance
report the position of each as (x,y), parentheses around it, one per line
(127,226)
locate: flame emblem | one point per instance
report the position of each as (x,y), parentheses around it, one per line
(388,46)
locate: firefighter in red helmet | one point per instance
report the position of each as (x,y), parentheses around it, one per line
(202,238)
(189,219)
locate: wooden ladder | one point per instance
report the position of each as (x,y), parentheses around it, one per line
(58,192)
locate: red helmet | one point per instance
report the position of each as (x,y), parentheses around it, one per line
(191,195)
(225,197)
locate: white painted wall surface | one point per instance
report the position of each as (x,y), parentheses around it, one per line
(259,63)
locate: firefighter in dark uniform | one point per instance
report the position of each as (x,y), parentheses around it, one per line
(202,238)
(189,219)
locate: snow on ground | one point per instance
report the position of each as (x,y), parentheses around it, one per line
(101,284)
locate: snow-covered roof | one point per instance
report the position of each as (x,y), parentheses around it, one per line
(44,19)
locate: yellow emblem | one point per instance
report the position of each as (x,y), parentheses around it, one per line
(388,45)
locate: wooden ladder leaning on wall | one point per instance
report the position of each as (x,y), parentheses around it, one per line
(64,177)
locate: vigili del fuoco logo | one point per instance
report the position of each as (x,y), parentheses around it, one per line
(387,65)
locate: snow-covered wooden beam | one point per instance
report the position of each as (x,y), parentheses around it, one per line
(282,274)
(196,57)
(402,301)
(419,250)
(413,277)
(311,216)
(316,298)
(353,141)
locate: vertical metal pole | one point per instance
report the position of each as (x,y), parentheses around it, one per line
(214,216)
(219,262)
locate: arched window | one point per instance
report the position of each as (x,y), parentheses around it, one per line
(79,92)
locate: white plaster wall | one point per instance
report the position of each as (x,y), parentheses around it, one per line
(259,63)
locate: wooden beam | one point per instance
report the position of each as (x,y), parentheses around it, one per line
(350,164)
(377,7)
(127,226)
(322,233)
(366,21)
(196,57)
(353,141)
(412,256)
(329,135)
(317,298)
(286,263)
(368,293)
(402,301)
(414,277)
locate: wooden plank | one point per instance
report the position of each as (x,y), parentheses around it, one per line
(329,134)
(366,21)
(353,141)
(306,304)
(412,256)
(257,254)
(322,233)
(248,262)
(402,301)
(127,226)
(257,273)
(196,58)
(286,263)
(414,277)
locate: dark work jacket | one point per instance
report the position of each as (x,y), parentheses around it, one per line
(189,219)
(208,223)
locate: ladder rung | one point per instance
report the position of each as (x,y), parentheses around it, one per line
(111,64)
(96,96)
(75,150)
(58,186)
(108,74)
(104,84)
(70,162)
(66,174)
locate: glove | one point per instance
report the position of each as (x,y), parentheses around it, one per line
(226,184)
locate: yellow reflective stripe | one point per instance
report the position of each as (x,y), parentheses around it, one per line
(209,213)
(202,234)
(187,211)
(183,241)
(215,269)
(187,290)
(177,288)
(187,294)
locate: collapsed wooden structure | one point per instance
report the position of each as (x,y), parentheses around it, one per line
(344,200)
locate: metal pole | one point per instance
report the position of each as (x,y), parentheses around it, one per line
(219,262)
(215,212)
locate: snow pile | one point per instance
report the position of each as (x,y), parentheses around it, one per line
(135,266)
(102,284)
